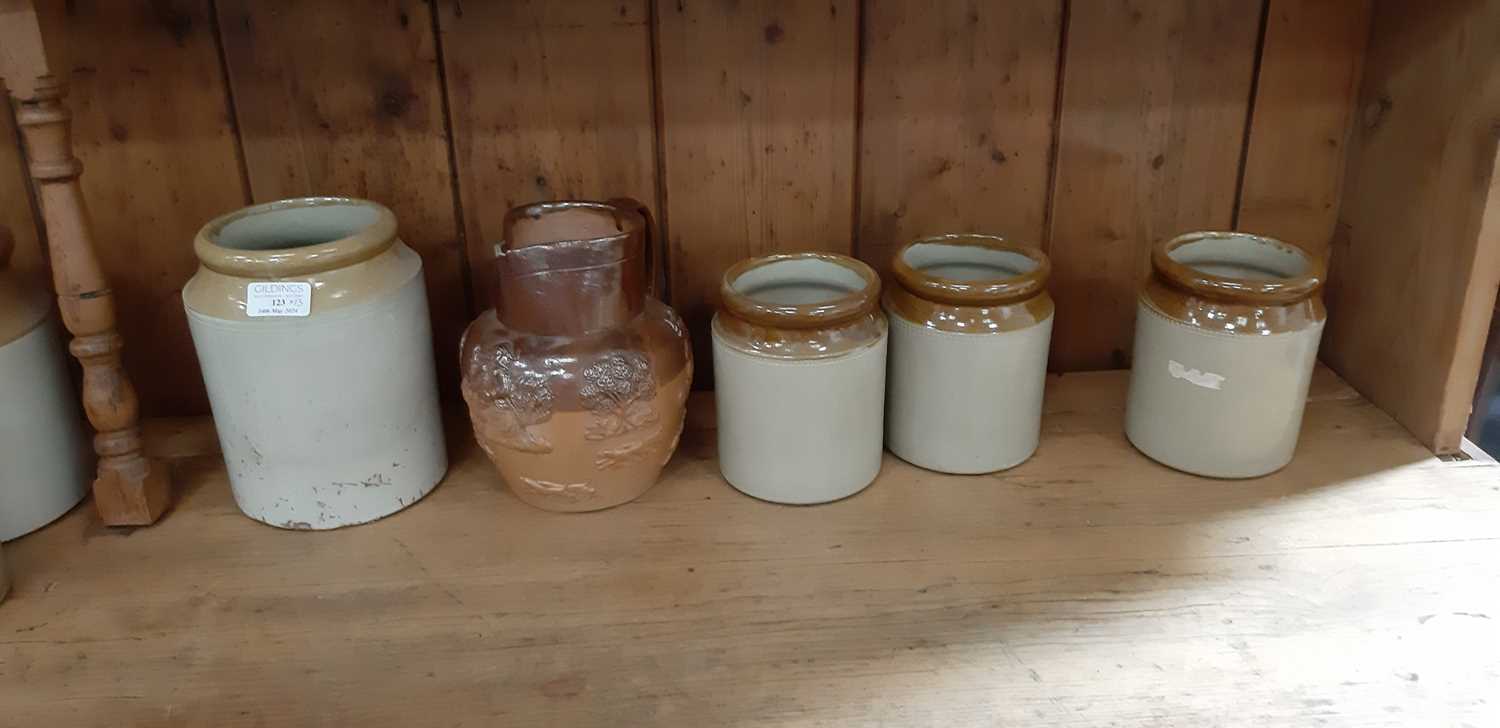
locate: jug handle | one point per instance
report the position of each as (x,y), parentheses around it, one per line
(654,252)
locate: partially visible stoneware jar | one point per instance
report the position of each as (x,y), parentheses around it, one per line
(577,380)
(970,324)
(310,321)
(4,576)
(1226,337)
(799,347)
(45,459)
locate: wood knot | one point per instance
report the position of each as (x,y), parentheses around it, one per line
(177,22)
(774,32)
(394,98)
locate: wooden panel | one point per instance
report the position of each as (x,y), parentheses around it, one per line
(151,125)
(16,212)
(1087,587)
(1304,105)
(549,101)
(1154,102)
(22,58)
(957,113)
(1414,281)
(758,115)
(344,98)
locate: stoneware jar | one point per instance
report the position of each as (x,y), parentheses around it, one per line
(45,459)
(970,324)
(1226,335)
(310,321)
(577,380)
(799,347)
(4,576)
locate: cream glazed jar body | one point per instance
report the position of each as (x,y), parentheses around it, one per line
(971,322)
(799,347)
(45,460)
(1226,338)
(322,383)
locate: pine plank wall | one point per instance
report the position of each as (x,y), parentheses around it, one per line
(1090,128)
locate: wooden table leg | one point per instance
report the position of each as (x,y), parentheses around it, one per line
(129,490)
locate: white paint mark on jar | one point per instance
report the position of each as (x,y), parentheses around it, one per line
(1206,380)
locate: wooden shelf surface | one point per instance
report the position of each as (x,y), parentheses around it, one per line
(1089,586)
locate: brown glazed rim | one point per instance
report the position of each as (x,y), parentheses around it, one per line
(986,292)
(617,208)
(362,245)
(1244,290)
(633,216)
(801,316)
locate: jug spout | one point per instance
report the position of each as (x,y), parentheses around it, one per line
(571,268)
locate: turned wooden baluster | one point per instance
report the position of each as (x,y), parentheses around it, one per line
(129,490)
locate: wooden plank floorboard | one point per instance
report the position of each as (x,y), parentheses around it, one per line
(1089,586)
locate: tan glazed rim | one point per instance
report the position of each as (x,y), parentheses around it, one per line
(842,309)
(984,292)
(360,243)
(1280,290)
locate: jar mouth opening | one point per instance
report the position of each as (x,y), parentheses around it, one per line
(296,236)
(971,269)
(800,290)
(547,236)
(572,222)
(1239,267)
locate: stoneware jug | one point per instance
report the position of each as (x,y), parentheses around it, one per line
(970,324)
(577,379)
(1226,336)
(45,458)
(310,321)
(799,376)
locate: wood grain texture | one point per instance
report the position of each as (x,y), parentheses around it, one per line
(1086,587)
(549,101)
(1154,101)
(152,128)
(20,50)
(16,212)
(129,489)
(956,127)
(1413,283)
(758,115)
(22,57)
(344,98)
(1305,97)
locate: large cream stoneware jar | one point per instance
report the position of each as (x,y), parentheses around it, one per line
(970,324)
(45,460)
(310,321)
(799,348)
(1226,336)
